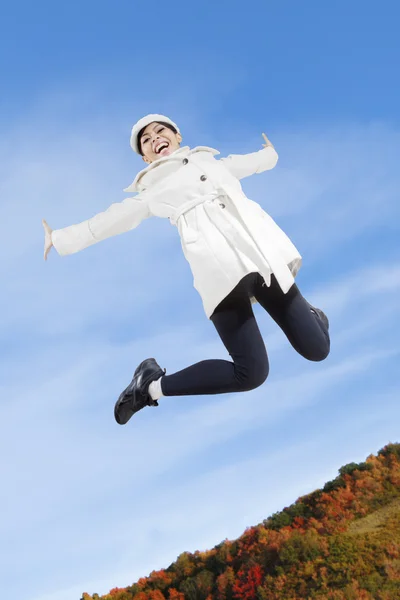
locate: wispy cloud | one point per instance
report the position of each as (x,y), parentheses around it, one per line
(102,502)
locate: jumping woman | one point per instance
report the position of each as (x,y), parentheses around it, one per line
(237,253)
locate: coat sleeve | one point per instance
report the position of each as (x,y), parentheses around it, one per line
(120,217)
(244,165)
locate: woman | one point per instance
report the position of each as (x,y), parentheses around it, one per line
(238,255)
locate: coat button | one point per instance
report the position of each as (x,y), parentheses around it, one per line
(222,205)
(185,161)
(203,178)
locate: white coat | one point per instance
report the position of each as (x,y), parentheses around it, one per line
(224,235)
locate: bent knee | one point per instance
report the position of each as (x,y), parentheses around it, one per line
(318,354)
(253,376)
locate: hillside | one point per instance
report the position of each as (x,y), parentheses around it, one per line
(338,543)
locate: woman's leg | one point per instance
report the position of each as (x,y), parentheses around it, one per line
(305,330)
(237,327)
(235,322)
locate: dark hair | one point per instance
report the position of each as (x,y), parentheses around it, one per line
(139,136)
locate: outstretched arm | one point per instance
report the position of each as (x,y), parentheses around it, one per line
(244,165)
(118,218)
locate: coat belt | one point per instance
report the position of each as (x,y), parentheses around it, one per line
(187,206)
(260,251)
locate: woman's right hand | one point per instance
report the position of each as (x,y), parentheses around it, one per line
(47,239)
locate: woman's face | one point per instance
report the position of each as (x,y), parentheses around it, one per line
(158,141)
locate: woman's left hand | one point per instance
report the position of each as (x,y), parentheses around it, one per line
(267,142)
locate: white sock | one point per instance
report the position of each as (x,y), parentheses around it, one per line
(155,390)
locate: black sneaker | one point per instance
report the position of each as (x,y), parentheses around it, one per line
(136,396)
(321,315)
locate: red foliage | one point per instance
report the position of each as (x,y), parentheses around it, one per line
(246,584)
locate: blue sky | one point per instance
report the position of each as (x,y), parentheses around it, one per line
(88,505)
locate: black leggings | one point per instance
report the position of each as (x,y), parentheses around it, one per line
(237,327)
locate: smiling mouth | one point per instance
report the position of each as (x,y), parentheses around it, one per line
(161,147)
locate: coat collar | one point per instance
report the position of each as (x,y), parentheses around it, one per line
(138,183)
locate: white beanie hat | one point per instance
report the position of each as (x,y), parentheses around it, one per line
(143,123)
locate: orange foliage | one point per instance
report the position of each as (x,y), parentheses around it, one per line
(142,596)
(175,595)
(155,595)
